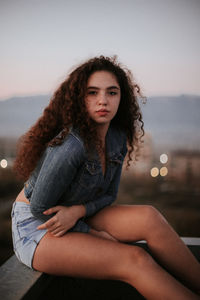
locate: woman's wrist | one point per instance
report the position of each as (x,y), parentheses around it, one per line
(81,211)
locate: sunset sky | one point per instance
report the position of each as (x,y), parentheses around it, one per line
(42,39)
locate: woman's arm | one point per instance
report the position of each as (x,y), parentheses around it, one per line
(70,217)
(94,206)
(56,174)
(64,219)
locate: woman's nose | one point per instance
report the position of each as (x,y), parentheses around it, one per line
(102,99)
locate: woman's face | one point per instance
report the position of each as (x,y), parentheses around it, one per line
(102,97)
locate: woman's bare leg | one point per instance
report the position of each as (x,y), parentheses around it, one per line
(142,222)
(83,255)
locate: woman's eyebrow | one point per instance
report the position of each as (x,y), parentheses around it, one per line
(113,87)
(108,88)
(92,87)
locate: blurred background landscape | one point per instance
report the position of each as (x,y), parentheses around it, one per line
(158,40)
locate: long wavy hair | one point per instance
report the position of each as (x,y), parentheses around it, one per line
(67,108)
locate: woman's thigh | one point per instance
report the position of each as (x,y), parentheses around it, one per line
(81,254)
(127,223)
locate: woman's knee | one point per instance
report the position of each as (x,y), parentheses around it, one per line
(154,222)
(135,260)
(139,256)
(152,216)
(133,257)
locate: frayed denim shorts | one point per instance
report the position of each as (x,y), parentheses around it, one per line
(25,234)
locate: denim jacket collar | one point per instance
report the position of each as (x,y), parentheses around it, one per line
(113,146)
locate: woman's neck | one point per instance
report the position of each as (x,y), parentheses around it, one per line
(102,131)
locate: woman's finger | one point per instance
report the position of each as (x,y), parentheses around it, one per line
(55,230)
(40,227)
(60,233)
(47,224)
(52,210)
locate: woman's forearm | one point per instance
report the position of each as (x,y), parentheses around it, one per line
(80,210)
(64,218)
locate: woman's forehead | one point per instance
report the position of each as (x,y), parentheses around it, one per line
(102,78)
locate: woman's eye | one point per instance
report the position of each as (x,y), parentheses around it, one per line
(92,93)
(112,93)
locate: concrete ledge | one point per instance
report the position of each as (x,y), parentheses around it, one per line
(191,241)
(17,280)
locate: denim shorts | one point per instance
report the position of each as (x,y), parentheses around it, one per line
(25,234)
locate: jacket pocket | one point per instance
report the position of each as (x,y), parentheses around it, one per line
(116,162)
(116,159)
(90,175)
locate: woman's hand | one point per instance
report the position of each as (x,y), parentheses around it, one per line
(103,234)
(64,219)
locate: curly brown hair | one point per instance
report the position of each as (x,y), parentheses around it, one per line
(67,108)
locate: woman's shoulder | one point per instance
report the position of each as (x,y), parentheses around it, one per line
(72,148)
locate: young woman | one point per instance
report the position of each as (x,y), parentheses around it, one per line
(71,160)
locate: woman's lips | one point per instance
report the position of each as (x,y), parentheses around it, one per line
(102,112)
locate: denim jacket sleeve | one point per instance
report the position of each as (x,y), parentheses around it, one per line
(58,170)
(108,198)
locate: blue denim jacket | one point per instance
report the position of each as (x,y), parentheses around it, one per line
(67,175)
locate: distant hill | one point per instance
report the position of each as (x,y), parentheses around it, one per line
(18,114)
(172,122)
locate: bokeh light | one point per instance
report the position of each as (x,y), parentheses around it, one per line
(3,163)
(154,172)
(163,171)
(163,158)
